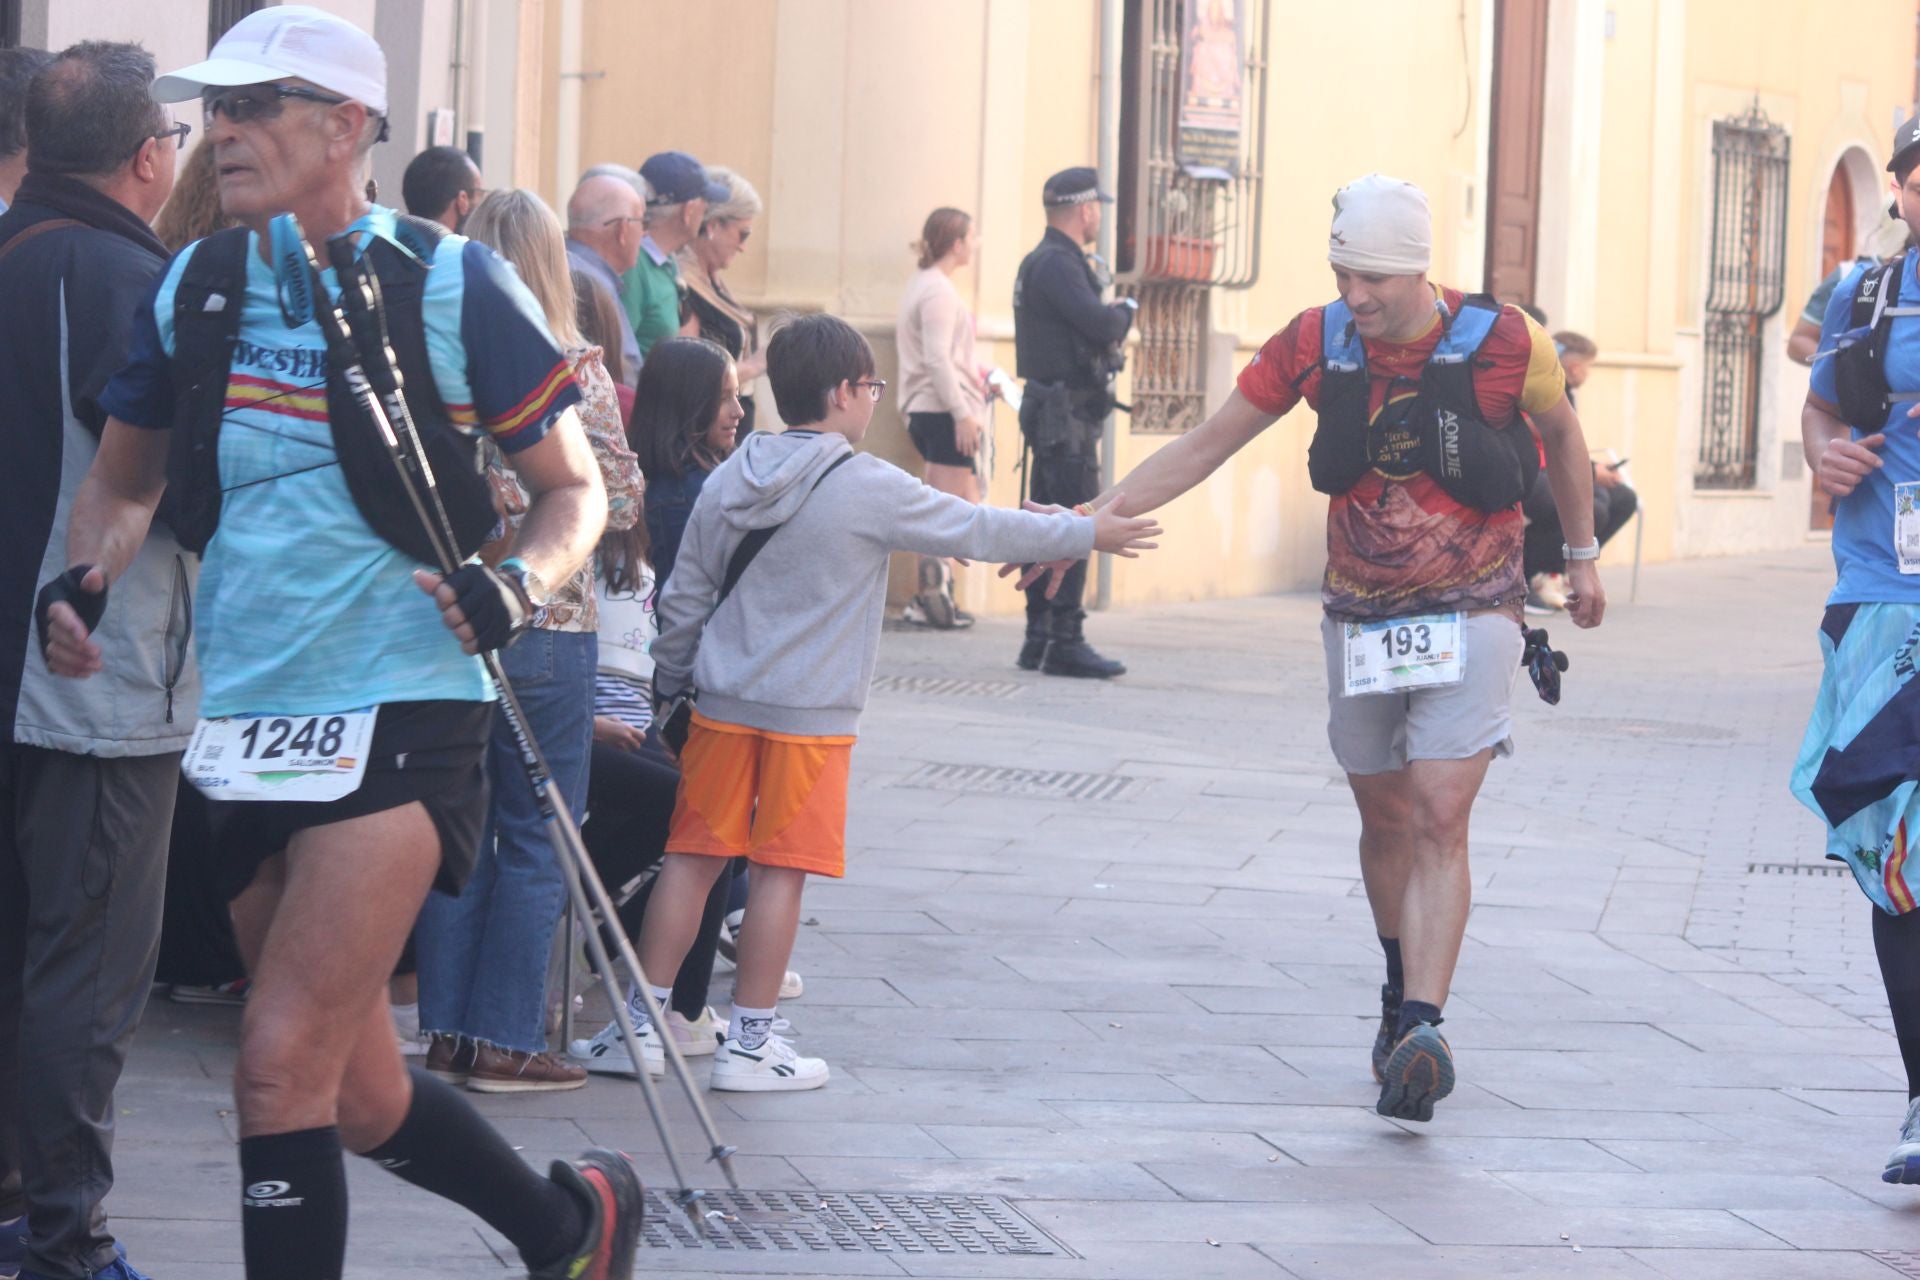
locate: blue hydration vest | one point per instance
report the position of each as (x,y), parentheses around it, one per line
(1438,429)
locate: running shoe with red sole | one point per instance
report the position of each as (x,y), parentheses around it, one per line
(607,1184)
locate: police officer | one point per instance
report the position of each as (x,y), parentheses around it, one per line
(1068,345)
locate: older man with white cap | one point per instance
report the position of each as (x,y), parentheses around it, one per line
(1424,458)
(324,639)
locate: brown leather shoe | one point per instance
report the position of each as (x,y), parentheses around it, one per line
(504,1071)
(450,1059)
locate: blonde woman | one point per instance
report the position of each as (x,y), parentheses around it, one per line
(711,311)
(483,955)
(941,390)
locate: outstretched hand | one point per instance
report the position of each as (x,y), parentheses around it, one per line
(1112,532)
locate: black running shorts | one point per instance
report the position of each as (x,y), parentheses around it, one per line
(933,436)
(431,752)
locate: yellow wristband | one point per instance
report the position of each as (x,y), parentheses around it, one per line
(1083,509)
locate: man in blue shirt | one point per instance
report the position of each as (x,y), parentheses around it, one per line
(1859,765)
(328,650)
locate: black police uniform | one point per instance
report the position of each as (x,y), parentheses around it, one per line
(1062,334)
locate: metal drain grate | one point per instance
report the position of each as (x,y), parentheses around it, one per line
(1797,869)
(947,687)
(996,780)
(808,1222)
(1905,1262)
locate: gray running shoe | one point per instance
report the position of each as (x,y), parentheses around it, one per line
(1419,1072)
(1383,1038)
(1903,1164)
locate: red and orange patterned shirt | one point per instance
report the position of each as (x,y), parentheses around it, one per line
(1398,547)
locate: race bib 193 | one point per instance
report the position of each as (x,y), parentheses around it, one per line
(1404,653)
(269,757)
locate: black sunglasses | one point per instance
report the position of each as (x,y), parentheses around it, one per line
(1544,664)
(258,101)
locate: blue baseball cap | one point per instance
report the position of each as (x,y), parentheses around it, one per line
(675,177)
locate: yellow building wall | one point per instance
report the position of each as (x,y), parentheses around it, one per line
(854,118)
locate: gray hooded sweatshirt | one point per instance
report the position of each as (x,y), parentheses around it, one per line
(792,648)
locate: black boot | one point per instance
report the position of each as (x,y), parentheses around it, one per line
(1070,655)
(1033,650)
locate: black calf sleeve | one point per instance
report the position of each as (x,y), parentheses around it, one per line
(293,1209)
(444,1146)
(1896,940)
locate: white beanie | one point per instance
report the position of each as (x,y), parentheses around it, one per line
(1381,226)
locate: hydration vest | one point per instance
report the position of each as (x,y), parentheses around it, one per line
(1439,429)
(207,309)
(1860,352)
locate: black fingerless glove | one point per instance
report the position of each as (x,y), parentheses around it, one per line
(494,603)
(66,588)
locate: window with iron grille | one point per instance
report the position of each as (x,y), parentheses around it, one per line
(222,14)
(1192,144)
(1746,281)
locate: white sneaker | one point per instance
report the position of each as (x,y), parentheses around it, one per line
(606,1054)
(406,1025)
(793,986)
(1903,1165)
(772,1068)
(699,1038)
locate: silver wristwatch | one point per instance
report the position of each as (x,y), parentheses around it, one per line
(1589,552)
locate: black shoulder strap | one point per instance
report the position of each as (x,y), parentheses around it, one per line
(210,297)
(756,539)
(1870,293)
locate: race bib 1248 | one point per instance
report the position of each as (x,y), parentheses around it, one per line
(269,757)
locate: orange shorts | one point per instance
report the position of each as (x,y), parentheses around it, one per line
(776,798)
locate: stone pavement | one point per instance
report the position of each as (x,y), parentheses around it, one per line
(1143,1014)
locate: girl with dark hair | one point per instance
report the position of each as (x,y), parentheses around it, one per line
(941,391)
(685,411)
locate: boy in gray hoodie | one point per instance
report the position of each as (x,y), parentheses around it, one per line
(782,664)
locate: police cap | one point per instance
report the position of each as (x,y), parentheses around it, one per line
(1073,186)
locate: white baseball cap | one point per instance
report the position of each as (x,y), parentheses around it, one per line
(288,40)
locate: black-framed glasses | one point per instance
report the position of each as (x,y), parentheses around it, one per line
(178,132)
(874,387)
(259,101)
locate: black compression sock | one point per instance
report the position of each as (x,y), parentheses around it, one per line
(293,1211)
(1414,1012)
(1896,941)
(1396,977)
(444,1146)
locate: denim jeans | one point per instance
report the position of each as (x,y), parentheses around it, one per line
(483,955)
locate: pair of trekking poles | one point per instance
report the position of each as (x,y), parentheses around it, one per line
(375,385)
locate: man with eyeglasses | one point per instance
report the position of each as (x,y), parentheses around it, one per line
(324,638)
(605,221)
(87,776)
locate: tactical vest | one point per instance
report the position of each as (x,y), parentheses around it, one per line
(207,309)
(1439,429)
(1860,353)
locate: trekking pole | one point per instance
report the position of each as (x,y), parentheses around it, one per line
(386,409)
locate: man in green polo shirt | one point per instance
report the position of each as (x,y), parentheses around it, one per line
(678,190)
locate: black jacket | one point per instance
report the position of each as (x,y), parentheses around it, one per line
(1059,322)
(70,294)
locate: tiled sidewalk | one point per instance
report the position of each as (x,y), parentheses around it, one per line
(1145,1018)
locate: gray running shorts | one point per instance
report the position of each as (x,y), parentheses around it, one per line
(1381,732)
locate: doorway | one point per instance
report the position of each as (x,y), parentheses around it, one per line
(1513,181)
